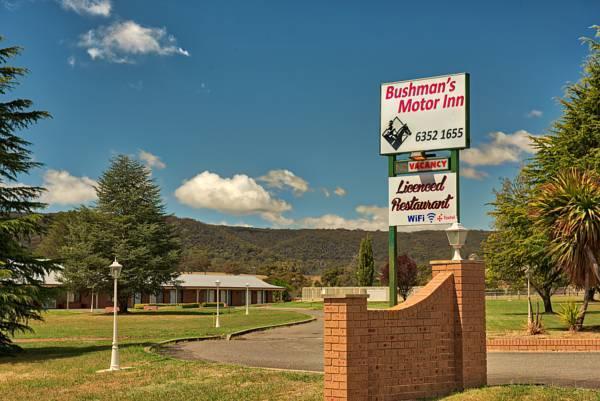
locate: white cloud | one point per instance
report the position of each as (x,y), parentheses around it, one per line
(470,172)
(117,42)
(240,224)
(372,218)
(535,113)
(326,192)
(89,7)
(64,189)
(239,195)
(502,148)
(285,178)
(339,191)
(71,61)
(151,161)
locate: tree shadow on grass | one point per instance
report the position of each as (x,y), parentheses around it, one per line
(181,313)
(47,352)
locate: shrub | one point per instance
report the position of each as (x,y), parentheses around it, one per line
(569,314)
(186,305)
(212,304)
(535,326)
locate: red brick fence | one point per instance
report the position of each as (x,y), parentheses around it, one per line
(431,345)
(543,345)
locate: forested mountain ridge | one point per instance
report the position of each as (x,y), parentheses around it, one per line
(207,247)
(311,250)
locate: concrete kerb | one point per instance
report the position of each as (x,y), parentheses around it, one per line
(229,336)
(156,346)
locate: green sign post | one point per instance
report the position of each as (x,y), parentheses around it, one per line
(392,244)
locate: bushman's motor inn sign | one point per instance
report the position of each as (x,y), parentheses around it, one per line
(422,199)
(425,114)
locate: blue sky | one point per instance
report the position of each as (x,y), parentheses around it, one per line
(266,113)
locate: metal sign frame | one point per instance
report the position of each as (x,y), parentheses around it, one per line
(454,167)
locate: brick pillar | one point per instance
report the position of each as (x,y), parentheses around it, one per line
(469,285)
(345,348)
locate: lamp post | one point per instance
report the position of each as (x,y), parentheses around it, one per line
(457,236)
(247,299)
(115,272)
(217,323)
(529,310)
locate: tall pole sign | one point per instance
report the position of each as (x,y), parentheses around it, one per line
(419,116)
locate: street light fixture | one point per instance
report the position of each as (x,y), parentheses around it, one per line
(457,236)
(115,272)
(217,323)
(247,292)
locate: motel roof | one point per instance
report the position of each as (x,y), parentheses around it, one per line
(229,281)
(199,280)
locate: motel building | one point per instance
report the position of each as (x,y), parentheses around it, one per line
(187,288)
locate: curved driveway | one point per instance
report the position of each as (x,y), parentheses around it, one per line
(300,347)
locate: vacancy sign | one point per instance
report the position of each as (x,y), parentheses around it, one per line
(422,199)
(425,114)
(418,166)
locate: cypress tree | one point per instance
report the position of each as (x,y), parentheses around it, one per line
(21,293)
(365,272)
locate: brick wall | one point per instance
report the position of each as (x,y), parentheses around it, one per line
(428,346)
(543,344)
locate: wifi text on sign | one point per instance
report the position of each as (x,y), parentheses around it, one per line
(422,199)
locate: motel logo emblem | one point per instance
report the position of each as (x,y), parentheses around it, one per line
(396,133)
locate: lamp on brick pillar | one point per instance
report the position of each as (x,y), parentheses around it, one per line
(457,236)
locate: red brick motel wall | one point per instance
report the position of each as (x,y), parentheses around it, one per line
(429,346)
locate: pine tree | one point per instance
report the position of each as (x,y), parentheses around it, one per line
(21,293)
(575,139)
(77,239)
(365,272)
(136,230)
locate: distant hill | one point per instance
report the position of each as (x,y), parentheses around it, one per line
(248,250)
(312,249)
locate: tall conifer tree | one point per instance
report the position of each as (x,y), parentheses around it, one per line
(365,272)
(21,294)
(137,232)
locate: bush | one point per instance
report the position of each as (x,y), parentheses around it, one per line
(535,326)
(569,314)
(186,305)
(213,304)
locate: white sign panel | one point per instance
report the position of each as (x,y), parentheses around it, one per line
(425,114)
(422,199)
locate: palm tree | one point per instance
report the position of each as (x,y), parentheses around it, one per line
(568,209)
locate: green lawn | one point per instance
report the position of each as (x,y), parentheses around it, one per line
(319,305)
(525,393)
(507,317)
(62,356)
(150,326)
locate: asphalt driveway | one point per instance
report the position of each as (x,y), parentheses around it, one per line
(300,347)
